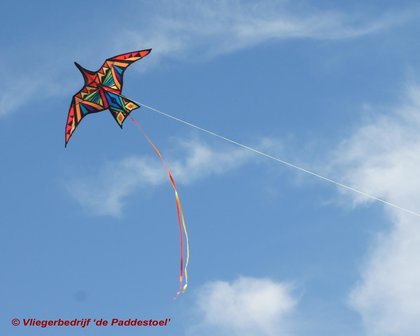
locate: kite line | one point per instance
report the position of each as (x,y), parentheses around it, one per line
(289,164)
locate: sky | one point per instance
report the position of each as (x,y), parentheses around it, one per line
(90,230)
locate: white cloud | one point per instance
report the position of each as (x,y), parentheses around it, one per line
(388,296)
(382,158)
(216,27)
(246,306)
(104,192)
(17,92)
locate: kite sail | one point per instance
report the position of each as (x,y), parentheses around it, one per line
(102,91)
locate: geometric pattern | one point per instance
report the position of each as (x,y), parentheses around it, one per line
(119,106)
(102,91)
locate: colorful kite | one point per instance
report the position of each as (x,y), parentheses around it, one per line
(102,91)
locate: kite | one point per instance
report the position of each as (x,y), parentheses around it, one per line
(102,91)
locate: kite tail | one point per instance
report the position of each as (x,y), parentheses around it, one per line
(183,274)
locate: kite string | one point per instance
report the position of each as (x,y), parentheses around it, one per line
(339,184)
(180,214)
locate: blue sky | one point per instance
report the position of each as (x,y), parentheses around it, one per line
(90,231)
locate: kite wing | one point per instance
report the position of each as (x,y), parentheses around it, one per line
(111,73)
(88,100)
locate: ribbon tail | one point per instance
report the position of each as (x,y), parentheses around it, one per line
(183,273)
